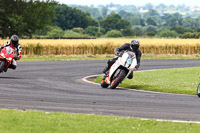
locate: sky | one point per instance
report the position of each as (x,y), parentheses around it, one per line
(131,2)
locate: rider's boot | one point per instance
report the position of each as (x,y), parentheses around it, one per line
(130,76)
(105,75)
(105,69)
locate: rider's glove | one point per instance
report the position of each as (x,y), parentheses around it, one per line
(16,58)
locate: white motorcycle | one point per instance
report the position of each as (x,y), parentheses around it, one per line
(120,70)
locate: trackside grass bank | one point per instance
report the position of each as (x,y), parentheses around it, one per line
(179,81)
(56,58)
(15,121)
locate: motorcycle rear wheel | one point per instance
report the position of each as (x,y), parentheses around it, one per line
(118,79)
(103,83)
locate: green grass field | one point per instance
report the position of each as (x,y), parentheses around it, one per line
(179,81)
(15,121)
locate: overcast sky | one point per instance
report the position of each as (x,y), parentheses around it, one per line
(131,2)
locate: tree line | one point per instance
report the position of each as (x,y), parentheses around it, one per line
(152,22)
(48,18)
(24,17)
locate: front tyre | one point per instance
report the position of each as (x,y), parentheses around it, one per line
(2,66)
(115,82)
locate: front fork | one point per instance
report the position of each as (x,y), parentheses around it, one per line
(7,64)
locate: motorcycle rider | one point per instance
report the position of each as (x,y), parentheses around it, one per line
(134,47)
(13,43)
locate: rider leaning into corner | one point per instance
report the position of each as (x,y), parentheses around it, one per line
(13,43)
(134,47)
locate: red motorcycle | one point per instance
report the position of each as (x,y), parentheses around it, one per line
(7,54)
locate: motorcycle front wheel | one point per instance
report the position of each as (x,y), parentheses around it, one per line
(115,82)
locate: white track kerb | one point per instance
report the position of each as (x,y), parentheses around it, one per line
(94,76)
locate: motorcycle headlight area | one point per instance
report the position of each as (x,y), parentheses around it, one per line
(128,62)
(2,54)
(9,59)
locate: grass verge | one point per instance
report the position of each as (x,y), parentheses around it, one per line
(169,56)
(62,57)
(102,57)
(179,81)
(15,121)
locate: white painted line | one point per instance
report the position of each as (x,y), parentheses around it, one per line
(91,76)
(180,121)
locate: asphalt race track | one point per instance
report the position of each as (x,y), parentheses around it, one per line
(58,86)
